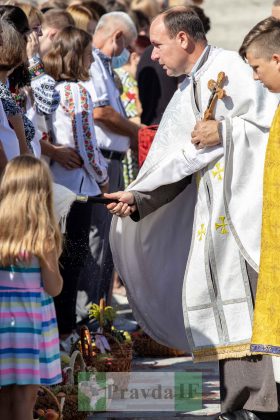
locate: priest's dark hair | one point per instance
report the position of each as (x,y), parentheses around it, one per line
(184,19)
(264,37)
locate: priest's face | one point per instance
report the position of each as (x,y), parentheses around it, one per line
(266,70)
(170,53)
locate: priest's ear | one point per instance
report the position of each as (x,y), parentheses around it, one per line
(183,39)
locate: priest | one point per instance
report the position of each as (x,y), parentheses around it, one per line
(189,252)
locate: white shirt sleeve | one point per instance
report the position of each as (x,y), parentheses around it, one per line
(97,87)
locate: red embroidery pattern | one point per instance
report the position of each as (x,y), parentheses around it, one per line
(87,135)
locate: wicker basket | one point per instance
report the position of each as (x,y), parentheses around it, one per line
(47,399)
(70,409)
(119,360)
(145,346)
(64,397)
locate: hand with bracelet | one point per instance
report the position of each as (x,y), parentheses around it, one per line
(32,46)
(126,203)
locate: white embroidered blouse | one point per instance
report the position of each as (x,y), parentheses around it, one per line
(73,126)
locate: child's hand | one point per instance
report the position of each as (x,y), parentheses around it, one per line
(32,47)
(67,157)
(52,279)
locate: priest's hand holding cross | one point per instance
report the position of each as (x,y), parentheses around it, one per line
(206,134)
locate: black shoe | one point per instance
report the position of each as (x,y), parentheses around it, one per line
(238,415)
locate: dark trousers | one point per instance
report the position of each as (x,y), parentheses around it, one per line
(72,260)
(248,382)
(96,274)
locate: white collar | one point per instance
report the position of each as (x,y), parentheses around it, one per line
(199,63)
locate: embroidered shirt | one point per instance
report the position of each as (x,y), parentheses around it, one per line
(45,95)
(73,126)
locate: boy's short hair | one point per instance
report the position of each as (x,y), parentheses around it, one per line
(264,37)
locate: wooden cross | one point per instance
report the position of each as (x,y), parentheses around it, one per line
(217,92)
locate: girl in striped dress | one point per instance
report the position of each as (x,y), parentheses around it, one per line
(30,244)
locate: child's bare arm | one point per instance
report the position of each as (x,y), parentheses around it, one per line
(52,279)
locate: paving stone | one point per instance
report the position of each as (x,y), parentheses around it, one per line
(210,374)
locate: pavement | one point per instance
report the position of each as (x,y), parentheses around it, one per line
(210,378)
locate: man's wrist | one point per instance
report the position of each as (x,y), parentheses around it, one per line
(134,202)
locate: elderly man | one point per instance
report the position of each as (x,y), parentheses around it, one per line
(115,133)
(114,32)
(190,263)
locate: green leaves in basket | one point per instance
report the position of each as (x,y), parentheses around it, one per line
(107,317)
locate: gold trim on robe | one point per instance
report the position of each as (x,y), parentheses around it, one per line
(221,353)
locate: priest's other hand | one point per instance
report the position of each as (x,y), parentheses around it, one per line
(206,134)
(126,205)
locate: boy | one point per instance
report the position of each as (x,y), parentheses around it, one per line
(261,48)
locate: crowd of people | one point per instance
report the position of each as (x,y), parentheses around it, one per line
(194,229)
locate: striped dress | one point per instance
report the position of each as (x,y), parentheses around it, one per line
(29,344)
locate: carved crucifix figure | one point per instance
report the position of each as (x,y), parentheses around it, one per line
(217,92)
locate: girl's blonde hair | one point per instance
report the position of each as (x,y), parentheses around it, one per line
(28,224)
(65,60)
(81,15)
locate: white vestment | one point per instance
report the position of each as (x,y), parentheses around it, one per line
(184,264)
